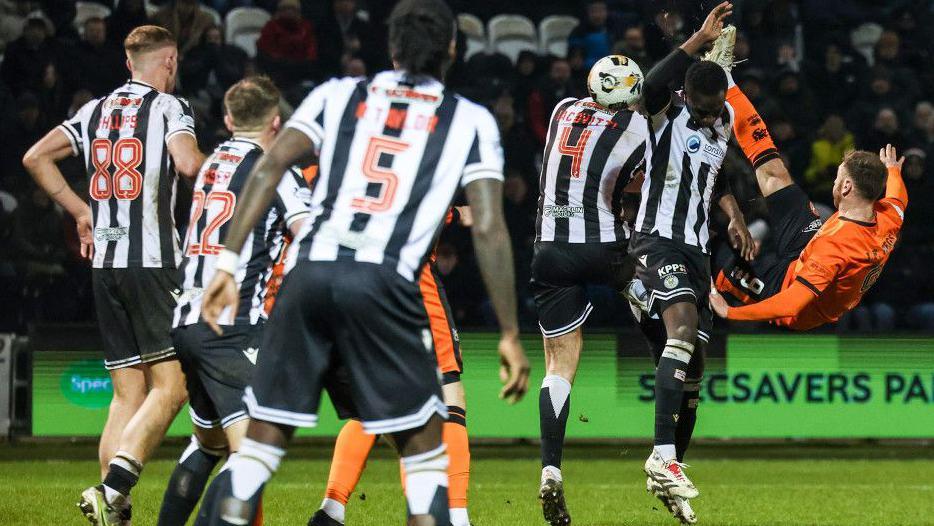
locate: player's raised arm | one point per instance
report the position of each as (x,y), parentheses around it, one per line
(494,257)
(290,148)
(894,185)
(671,69)
(40,161)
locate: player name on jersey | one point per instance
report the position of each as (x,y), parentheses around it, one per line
(683,161)
(591,155)
(132,180)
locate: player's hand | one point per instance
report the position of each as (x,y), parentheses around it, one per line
(466,216)
(86,234)
(889,158)
(713,24)
(718,303)
(514,368)
(220,294)
(741,240)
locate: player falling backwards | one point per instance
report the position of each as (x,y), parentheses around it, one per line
(392,152)
(134,142)
(218,367)
(819,272)
(353,444)
(688,139)
(596,146)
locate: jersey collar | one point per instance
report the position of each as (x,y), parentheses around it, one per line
(857,221)
(246,140)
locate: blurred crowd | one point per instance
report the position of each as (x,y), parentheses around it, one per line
(826,75)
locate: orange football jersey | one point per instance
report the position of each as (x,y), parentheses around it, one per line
(841,263)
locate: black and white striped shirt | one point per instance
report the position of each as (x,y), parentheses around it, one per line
(132,180)
(683,161)
(214,200)
(591,155)
(392,153)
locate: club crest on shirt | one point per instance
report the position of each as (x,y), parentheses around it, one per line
(693,144)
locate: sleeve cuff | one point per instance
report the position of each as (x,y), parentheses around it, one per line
(172,134)
(72,138)
(481,173)
(290,220)
(311,130)
(808,284)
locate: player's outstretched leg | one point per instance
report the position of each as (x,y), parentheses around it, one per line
(662,465)
(191,474)
(562,354)
(351,450)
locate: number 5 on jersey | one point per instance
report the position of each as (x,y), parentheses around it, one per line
(377,167)
(126,155)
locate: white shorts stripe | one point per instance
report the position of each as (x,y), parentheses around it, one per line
(571,327)
(277,416)
(434,405)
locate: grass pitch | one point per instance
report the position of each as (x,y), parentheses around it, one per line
(740,485)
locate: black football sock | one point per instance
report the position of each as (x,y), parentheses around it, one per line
(688,416)
(121,477)
(554,402)
(669,388)
(187,483)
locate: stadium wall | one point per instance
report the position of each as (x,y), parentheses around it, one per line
(759,386)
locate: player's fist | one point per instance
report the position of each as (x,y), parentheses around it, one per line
(889,158)
(514,368)
(220,294)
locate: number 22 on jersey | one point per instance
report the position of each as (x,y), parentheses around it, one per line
(223,209)
(125,155)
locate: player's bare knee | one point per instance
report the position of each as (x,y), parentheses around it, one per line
(419,440)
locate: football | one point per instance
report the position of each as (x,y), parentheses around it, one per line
(615,81)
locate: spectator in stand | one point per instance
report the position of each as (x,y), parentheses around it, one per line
(793,147)
(750,81)
(632,45)
(594,34)
(26,58)
(795,100)
(888,54)
(526,72)
(920,125)
(518,148)
(213,66)
(835,78)
(833,140)
(54,96)
(96,54)
(13,15)
(186,21)
(353,67)
(919,225)
(347,34)
(127,15)
(885,130)
(17,134)
(666,32)
(555,86)
(288,46)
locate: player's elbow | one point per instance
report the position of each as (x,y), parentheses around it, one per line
(32,159)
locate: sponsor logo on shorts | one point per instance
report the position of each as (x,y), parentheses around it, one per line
(693,144)
(110,234)
(680,374)
(671,282)
(644,260)
(563,211)
(251,353)
(814,226)
(674,268)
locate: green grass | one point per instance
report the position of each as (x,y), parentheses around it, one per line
(740,485)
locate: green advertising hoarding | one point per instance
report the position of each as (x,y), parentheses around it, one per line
(759,386)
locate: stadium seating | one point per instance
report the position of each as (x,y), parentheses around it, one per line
(473,29)
(512,34)
(553,34)
(214,14)
(86,10)
(243,27)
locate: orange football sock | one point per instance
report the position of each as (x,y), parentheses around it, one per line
(455,437)
(350,453)
(751,132)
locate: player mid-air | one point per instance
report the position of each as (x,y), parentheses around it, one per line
(817,272)
(134,142)
(596,147)
(218,367)
(688,139)
(353,444)
(392,151)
